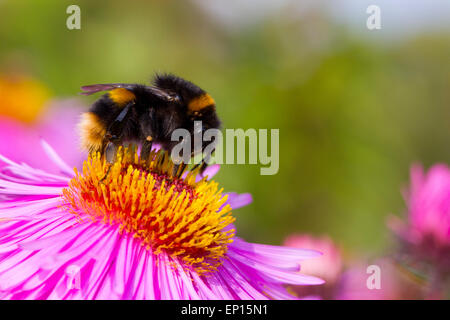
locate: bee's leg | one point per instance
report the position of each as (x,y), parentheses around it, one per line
(146,148)
(180,165)
(162,159)
(110,157)
(202,164)
(178,169)
(111,152)
(113,138)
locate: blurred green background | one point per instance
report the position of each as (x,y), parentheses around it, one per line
(354,109)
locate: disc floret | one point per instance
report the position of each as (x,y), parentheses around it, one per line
(184,218)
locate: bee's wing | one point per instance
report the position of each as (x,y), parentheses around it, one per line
(94,88)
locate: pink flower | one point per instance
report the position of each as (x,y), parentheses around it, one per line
(425,237)
(134,233)
(328,266)
(426,234)
(379,280)
(429,205)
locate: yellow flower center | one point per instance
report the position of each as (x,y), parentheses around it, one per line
(178,215)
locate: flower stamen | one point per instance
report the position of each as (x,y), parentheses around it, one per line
(183,217)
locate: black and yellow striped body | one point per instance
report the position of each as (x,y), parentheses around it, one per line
(147,115)
(94,124)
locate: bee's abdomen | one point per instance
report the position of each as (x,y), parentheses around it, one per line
(201,102)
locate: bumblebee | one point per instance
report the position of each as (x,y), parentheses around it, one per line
(141,114)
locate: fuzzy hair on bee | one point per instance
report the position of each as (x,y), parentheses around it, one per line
(142,114)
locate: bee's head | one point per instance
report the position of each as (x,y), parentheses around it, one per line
(194,98)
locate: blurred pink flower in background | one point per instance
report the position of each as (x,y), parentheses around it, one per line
(394,284)
(27,115)
(327,267)
(349,283)
(425,237)
(20,141)
(429,205)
